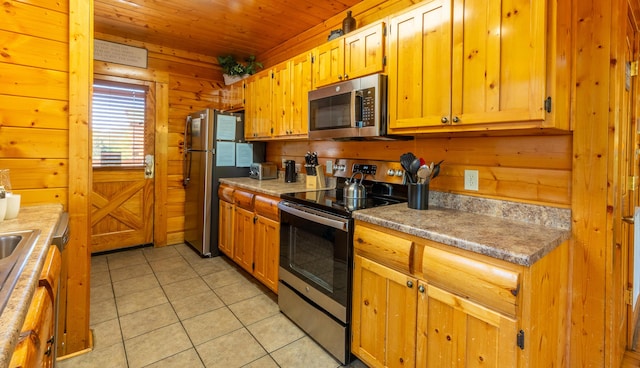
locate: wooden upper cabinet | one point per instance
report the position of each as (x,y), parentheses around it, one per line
(301,84)
(358,53)
(328,60)
(281,98)
(258,107)
(454,64)
(233,96)
(277,101)
(364,51)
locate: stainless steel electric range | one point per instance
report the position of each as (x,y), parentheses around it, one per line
(316,252)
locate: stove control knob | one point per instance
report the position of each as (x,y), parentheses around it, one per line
(391,172)
(399,173)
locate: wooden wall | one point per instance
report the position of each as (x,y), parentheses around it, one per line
(195,83)
(34,98)
(532,169)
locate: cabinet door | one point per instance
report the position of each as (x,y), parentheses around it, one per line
(35,347)
(250,109)
(498,61)
(384,315)
(243,238)
(233,96)
(281,99)
(225,228)
(267,252)
(420,67)
(454,332)
(258,120)
(328,63)
(364,51)
(300,86)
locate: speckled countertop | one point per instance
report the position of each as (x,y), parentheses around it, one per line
(273,187)
(44,218)
(514,232)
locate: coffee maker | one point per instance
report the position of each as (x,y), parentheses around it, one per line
(290,171)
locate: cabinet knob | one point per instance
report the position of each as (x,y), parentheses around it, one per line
(346,76)
(456,119)
(409,284)
(421,288)
(339,77)
(444,120)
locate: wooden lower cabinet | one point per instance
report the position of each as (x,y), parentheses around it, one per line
(384,315)
(225,228)
(244,238)
(453,331)
(267,252)
(37,337)
(249,228)
(418,303)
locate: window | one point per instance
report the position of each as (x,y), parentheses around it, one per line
(118,119)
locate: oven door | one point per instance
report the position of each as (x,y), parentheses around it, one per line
(316,256)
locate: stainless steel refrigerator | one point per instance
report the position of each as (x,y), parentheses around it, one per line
(214,149)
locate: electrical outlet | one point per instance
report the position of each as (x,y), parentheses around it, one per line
(283,164)
(329,167)
(471,180)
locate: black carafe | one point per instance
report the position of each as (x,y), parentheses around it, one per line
(290,171)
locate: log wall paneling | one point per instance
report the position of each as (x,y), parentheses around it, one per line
(189,88)
(77,337)
(535,169)
(591,183)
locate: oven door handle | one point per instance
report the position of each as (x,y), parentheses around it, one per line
(342,225)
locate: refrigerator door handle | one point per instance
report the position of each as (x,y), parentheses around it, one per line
(186,157)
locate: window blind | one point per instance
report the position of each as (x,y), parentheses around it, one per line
(118,118)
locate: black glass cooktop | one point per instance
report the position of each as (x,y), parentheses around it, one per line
(331,200)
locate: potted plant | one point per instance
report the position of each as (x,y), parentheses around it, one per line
(233,71)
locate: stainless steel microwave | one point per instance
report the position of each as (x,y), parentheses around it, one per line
(355,108)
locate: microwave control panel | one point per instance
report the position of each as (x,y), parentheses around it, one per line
(367,98)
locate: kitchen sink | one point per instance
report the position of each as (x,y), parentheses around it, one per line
(8,244)
(15,248)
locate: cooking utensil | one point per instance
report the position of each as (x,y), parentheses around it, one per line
(413,168)
(405,161)
(436,169)
(424,174)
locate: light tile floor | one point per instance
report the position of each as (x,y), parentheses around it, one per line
(168,307)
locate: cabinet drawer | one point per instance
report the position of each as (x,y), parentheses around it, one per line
(50,275)
(383,248)
(225,193)
(267,207)
(243,199)
(489,284)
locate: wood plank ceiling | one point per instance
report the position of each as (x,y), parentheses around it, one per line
(214,27)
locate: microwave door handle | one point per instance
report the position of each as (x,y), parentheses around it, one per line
(354,123)
(357,108)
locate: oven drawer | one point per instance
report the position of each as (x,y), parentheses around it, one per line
(243,199)
(267,207)
(383,248)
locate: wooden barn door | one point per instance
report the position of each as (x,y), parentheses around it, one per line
(123,164)
(631,200)
(627,198)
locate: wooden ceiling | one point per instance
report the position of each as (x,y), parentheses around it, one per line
(214,27)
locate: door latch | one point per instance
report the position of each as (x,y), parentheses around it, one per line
(148,167)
